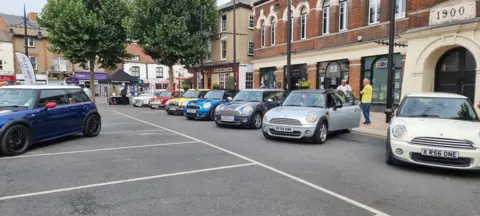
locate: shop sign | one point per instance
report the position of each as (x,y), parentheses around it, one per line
(86,75)
(381,64)
(7,78)
(223,70)
(453,11)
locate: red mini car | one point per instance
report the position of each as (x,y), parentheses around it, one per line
(159,102)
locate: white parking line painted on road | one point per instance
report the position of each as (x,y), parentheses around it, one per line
(305,182)
(98,150)
(132,131)
(123,181)
(120,123)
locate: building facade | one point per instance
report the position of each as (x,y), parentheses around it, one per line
(218,67)
(336,39)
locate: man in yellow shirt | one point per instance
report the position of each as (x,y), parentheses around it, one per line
(366,100)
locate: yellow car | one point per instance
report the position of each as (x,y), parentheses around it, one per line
(175,106)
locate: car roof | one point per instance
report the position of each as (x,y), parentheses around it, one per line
(40,87)
(321,91)
(436,95)
(261,90)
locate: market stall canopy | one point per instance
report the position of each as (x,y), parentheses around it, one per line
(120,77)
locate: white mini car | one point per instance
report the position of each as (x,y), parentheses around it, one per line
(435,129)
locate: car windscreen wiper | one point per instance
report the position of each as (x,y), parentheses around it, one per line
(15,106)
(317,106)
(425,115)
(294,105)
(238,100)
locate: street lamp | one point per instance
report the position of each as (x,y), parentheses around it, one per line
(25,27)
(234,47)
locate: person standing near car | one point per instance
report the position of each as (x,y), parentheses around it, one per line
(346,88)
(366,100)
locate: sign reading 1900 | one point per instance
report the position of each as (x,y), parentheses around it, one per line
(453,11)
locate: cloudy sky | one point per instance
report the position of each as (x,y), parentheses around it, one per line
(16,6)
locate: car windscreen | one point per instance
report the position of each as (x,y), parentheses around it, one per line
(215,95)
(445,108)
(166,94)
(191,94)
(158,94)
(16,97)
(305,99)
(250,96)
(147,93)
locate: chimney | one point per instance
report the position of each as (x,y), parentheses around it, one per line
(32,17)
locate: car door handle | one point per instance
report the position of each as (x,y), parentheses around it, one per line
(357,109)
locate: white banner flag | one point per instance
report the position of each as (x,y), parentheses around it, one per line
(27,68)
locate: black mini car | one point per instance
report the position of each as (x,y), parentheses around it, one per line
(248,107)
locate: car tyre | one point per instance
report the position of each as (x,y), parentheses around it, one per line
(211,114)
(189,118)
(93,126)
(389,157)
(169,113)
(16,140)
(218,124)
(256,121)
(321,133)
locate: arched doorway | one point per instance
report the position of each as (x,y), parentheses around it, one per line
(455,73)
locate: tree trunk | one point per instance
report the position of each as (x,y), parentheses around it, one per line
(92,78)
(170,77)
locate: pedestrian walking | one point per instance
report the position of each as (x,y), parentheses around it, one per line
(345,87)
(366,100)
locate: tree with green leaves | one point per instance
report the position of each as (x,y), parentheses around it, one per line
(173,31)
(87,32)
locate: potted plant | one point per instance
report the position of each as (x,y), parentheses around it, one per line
(185,86)
(305,84)
(215,86)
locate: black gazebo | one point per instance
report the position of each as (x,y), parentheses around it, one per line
(120,77)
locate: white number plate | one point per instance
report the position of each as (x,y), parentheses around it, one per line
(155,106)
(440,153)
(284,129)
(227,118)
(191,111)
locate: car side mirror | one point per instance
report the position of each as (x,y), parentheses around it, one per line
(270,100)
(50,105)
(229,99)
(357,102)
(338,105)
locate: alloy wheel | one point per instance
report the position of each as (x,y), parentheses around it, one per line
(258,121)
(17,139)
(94,125)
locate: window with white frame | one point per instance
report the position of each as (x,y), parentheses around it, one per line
(31,41)
(159,72)
(59,64)
(373,11)
(135,58)
(303,23)
(326,17)
(249,80)
(400,8)
(222,80)
(262,33)
(250,48)
(33,60)
(251,21)
(224,23)
(343,19)
(209,51)
(135,71)
(273,24)
(223,48)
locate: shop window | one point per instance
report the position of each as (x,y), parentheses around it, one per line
(222,80)
(326,17)
(303,23)
(268,77)
(249,80)
(375,69)
(343,16)
(330,74)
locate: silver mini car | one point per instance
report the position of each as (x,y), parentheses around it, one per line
(311,115)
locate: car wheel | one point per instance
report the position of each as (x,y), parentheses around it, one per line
(16,140)
(218,124)
(321,133)
(211,114)
(169,113)
(189,118)
(92,126)
(389,158)
(257,121)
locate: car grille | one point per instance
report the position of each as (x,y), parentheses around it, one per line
(286,134)
(285,121)
(193,107)
(228,112)
(455,162)
(443,142)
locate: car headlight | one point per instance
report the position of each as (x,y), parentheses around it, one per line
(265,118)
(184,103)
(399,131)
(311,118)
(207,105)
(248,109)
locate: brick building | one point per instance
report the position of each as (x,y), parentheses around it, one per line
(335,39)
(218,65)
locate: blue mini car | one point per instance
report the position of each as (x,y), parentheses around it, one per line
(32,114)
(205,107)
